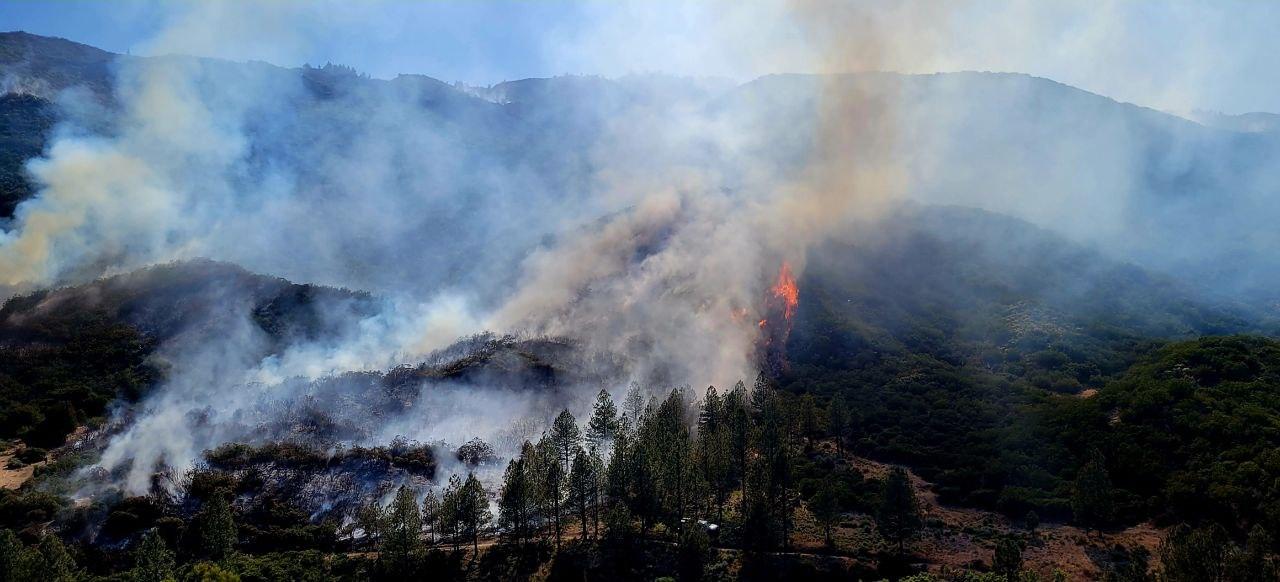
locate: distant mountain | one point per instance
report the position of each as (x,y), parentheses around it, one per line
(1192,200)
(1255,122)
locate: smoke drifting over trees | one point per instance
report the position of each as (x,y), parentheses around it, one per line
(941,270)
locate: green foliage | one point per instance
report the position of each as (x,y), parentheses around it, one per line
(10,552)
(215,528)
(68,371)
(898,517)
(1008,558)
(153,561)
(582,489)
(825,507)
(516,506)
(604,423)
(48,560)
(1092,497)
(401,531)
(210,572)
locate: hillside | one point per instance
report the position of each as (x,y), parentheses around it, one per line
(1137,182)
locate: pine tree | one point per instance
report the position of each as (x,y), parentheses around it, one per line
(738,423)
(1092,498)
(582,487)
(761,393)
(474,510)
(401,532)
(431,515)
(451,508)
(898,517)
(825,508)
(709,418)
(515,508)
(550,480)
(216,527)
(808,419)
(604,421)
(633,405)
(597,493)
(369,519)
(838,421)
(566,437)
(153,562)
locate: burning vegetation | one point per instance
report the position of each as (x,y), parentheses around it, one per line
(775,327)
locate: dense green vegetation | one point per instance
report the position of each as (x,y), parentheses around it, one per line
(65,372)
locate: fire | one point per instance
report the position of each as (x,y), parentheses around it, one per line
(775,327)
(787,291)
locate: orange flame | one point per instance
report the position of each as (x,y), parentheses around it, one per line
(787,290)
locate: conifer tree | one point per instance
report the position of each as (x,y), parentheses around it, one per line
(402,531)
(153,561)
(431,515)
(474,510)
(898,516)
(825,508)
(550,480)
(451,507)
(566,437)
(216,527)
(582,487)
(1092,498)
(604,421)
(515,508)
(838,421)
(633,405)
(369,519)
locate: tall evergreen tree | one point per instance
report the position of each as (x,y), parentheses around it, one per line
(825,508)
(452,506)
(898,517)
(738,424)
(604,421)
(566,437)
(369,519)
(838,421)
(807,419)
(474,510)
(431,515)
(761,393)
(216,527)
(709,417)
(1092,499)
(550,480)
(153,561)
(515,508)
(401,536)
(633,405)
(582,487)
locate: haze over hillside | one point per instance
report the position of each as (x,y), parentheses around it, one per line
(305,302)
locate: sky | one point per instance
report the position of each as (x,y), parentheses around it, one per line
(1177,55)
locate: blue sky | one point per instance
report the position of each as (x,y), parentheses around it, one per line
(1171,55)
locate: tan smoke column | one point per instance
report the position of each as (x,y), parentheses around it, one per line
(679,281)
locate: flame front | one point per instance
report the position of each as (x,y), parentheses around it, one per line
(779,307)
(787,291)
